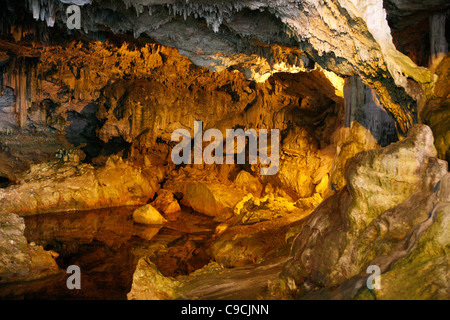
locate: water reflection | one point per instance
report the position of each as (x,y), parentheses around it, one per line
(106,244)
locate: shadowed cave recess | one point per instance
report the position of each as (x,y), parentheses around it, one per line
(358,89)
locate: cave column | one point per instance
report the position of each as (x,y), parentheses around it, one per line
(439,45)
(353,97)
(20,91)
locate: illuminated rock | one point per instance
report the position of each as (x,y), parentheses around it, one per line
(148,215)
(213,199)
(19,260)
(150,284)
(57,186)
(377,220)
(166,203)
(261,230)
(248,183)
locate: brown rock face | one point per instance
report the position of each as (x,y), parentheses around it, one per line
(261,230)
(347,37)
(436,113)
(212,199)
(166,203)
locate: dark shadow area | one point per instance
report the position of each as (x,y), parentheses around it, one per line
(5,182)
(82,132)
(380,124)
(362,104)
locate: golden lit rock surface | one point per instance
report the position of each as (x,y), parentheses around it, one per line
(150,284)
(261,230)
(19,260)
(56,186)
(148,215)
(436,113)
(166,203)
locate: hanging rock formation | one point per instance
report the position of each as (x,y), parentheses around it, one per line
(348,37)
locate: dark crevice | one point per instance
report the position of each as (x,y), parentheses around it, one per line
(5,182)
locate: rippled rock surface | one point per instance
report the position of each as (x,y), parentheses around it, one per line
(395,200)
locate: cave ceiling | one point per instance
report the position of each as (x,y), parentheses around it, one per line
(262,37)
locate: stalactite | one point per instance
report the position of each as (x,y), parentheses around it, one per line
(36,8)
(363,105)
(21,76)
(439,45)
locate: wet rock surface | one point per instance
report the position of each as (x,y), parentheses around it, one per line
(391,213)
(56,186)
(356,228)
(21,261)
(212,282)
(148,215)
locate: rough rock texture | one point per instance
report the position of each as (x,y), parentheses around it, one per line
(437,117)
(349,142)
(20,260)
(377,220)
(166,203)
(134,116)
(150,284)
(58,186)
(18,151)
(436,113)
(248,183)
(209,283)
(410,22)
(427,264)
(348,37)
(261,230)
(110,89)
(378,180)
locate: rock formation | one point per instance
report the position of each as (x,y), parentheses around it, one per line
(380,219)
(56,186)
(358,89)
(20,260)
(148,215)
